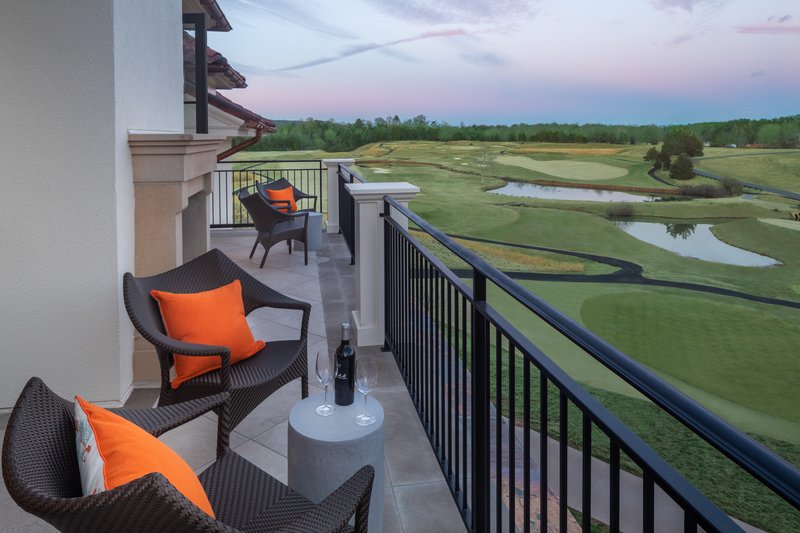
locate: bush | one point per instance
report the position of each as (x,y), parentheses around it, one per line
(622,210)
(731,186)
(707,190)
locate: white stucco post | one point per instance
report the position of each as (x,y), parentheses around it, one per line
(369,316)
(333,192)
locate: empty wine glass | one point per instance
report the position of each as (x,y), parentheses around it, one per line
(324,375)
(366,378)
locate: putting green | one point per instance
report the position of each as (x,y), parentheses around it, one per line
(712,345)
(565,168)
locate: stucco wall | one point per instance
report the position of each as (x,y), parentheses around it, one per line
(149,97)
(77,76)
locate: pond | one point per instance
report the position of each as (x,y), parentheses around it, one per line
(532,190)
(694,240)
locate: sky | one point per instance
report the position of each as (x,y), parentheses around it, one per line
(516,61)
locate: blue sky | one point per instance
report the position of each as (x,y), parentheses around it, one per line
(510,61)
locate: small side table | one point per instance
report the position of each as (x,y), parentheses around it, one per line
(324,451)
(314,237)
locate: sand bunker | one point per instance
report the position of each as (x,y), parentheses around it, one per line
(573,170)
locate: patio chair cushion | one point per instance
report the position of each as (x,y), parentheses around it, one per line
(126,452)
(215,317)
(283,194)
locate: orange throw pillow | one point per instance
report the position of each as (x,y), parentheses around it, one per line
(123,452)
(214,317)
(283,194)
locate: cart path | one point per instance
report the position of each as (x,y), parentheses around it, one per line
(627,272)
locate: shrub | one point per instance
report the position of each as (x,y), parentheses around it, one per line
(731,186)
(622,210)
(706,190)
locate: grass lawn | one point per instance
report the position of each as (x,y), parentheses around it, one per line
(765,167)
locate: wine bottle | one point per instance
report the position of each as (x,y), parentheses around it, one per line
(345,381)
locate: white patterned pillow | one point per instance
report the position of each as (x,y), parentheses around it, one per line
(90,462)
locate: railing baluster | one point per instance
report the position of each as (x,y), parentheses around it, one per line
(648,503)
(456,397)
(586,478)
(418,388)
(449,382)
(562,462)
(466,349)
(498,425)
(512,426)
(428,357)
(442,350)
(689,523)
(614,486)
(437,282)
(480,406)
(543,488)
(526,442)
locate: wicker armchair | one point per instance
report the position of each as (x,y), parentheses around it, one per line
(40,469)
(249,382)
(273,225)
(282,183)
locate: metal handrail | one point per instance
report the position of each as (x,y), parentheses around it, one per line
(758,460)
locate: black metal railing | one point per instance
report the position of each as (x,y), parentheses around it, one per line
(308,175)
(513,433)
(347,214)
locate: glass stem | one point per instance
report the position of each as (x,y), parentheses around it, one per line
(326,395)
(365,402)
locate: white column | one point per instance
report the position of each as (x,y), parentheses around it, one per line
(368,317)
(333,192)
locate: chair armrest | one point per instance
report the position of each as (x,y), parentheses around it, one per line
(333,513)
(168,344)
(162,419)
(256,295)
(304,196)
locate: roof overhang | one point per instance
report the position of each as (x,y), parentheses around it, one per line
(221,75)
(215,18)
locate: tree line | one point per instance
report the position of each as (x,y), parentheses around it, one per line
(331,136)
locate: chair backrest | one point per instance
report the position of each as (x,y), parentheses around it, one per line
(264,215)
(40,470)
(278,184)
(39,455)
(208,271)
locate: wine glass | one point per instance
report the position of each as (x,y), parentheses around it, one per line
(366,378)
(324,375)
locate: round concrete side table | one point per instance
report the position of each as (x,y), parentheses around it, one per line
(324,451)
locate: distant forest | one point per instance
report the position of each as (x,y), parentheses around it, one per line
(313,134)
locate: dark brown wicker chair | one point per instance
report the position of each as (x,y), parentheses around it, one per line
(273,225)
(40,469)
(249,382)
(282,183)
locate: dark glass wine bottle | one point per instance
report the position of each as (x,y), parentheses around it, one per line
(345,381)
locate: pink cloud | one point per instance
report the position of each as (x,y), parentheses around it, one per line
(769,29)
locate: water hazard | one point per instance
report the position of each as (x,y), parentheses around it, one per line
(694,240)
(532,190)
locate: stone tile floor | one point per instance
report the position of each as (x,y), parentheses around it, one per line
(416,496)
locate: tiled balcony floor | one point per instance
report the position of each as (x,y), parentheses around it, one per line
(416,496)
